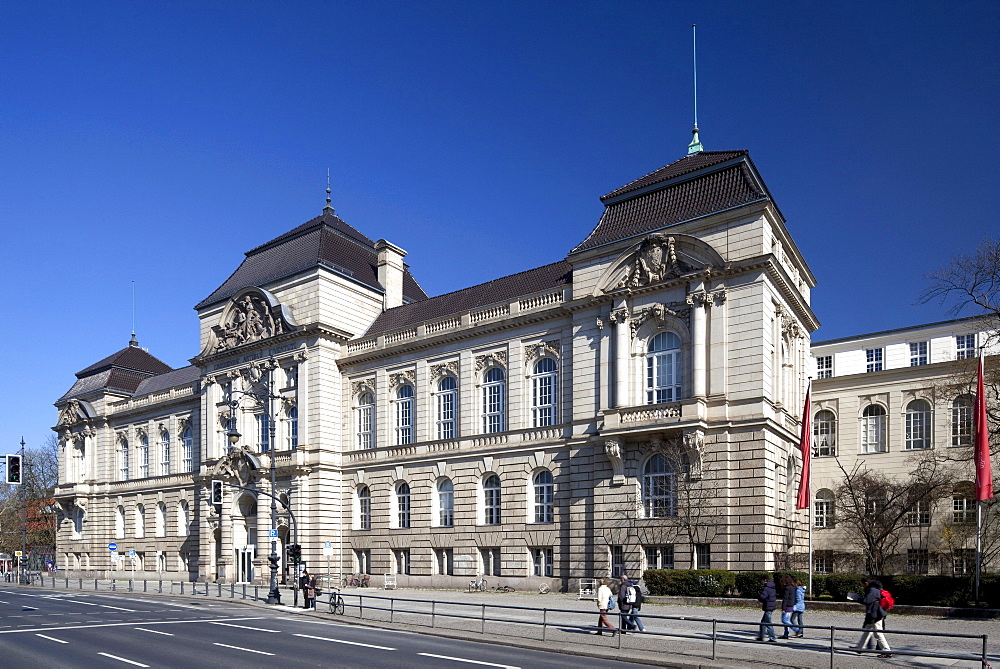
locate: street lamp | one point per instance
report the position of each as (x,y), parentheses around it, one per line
(263,400)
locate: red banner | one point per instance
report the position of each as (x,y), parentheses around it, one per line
(984,470)
(805,445)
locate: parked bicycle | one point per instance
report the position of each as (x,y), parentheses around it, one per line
(504,588)
(543,589)
(336,603)
(478,585)
(357,581)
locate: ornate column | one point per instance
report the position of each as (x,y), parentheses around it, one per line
(697,300)
(622,340)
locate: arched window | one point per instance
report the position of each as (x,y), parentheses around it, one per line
(404,415)
(161,519)
(961,421)
(659,488)
(364,508)
(123,459)
(120,522)
(663,368)
(494,392)
(824,433)
(447,401)
(403,505)
(140,521)
(293,428)
(187,449)
(544,490)
(183,518)
(918,425)
(366,420)
(543,393)
(446,503)
(491,500)
(143,456)
(823,517)
(164,453)
(873,429)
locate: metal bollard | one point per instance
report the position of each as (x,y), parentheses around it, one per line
(545,617)
(482,619)
(392,605)
(95,585)
(715,636)
(244,591)
(182,587)
(232,591)
(831,647)
(161,586)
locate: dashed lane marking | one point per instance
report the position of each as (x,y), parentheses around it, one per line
(52,638)
(255,629)
(349,643)
(122,659)
(462,659)
(143,629)
(249,650)
(105,624)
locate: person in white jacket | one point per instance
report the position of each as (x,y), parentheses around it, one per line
(604,597)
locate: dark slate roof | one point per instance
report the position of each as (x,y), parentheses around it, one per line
(499,290)
(696,185)
(178,377)
(326,241)
(122,371)
(132,358)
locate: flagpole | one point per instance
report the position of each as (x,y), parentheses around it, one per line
(984,472)
(811,504)
(979,551)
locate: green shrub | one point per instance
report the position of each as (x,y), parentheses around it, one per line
(748,583)
(838,585)
(689,582)
(819,586)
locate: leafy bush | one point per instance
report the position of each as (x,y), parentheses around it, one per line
(819,586)
(689,582)
(748,583)
(838,585)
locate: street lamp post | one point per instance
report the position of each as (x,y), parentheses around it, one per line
(264,401)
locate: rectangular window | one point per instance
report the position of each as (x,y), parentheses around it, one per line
(542,558)
(963,510)
(965,346)
(824,367)
(874,358)
(919,514)
(364,561)
(917,561)
(823,515)
(491,561)
(446,414)
(822,562)
(402,561)
(963,561)
(660,557)
(703,556)
(617,561)
(918,353)
(263,433)
(445,561)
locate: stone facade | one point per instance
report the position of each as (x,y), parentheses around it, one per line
(635,404)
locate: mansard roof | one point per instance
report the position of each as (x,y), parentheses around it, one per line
(177,377)
(122,371)
(503,289)
(130,358)
(696,185)
(325,241)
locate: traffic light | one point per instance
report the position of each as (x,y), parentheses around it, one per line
(295,553)
(217,493)
(14,469)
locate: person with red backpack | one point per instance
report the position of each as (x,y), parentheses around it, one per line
(874,618)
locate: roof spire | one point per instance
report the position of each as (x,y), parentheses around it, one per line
(328,207)
(695,145)
(133,341)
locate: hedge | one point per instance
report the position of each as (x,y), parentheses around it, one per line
(749,583)
(690,582)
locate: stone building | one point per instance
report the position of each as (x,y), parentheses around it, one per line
(633,404)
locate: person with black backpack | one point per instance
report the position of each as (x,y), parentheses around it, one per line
(874,620)
(634,599)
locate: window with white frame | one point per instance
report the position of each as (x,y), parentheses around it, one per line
(963,561)
(402,560)
(364,508)
(703,556)
(873,429)
(874,359)
(919,514)
(963,504)
(293,428)
(961,421)
(616,555)
(491,500)
(120,522)
(659,557)
(140,521)
(659,488)
(965,346)
(164,453)
(917,561)
(542,559)
(366,420)
(544,494)
(543,393)
(825,433)
(823,509)
(187,449)
(494,404)
(918,353)
(824,366)
(875,504)
(918,425)
(404,415)
(447,401)
(183,518)
(161,519)
(143,455)
(445,561)
(822,562)
(123,459)
(263,422)
(446,503)
(403,505)
(663,368)
(491,561)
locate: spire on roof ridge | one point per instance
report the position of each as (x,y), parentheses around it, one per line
(328,207)
(695,145)
(133,342)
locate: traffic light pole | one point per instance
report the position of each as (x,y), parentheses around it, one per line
(24,520)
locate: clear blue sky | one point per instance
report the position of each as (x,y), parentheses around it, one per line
(158,141)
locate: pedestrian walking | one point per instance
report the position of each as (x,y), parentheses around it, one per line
(605,602)
(874,618)
(768,599)
(798,608)
(310,592)
(787,603)
(624,606)
(634,599)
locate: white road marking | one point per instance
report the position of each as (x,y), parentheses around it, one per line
(349,643)
(255,629)
(462,659)
(73,601)
(29,608)
(249,650)
(50,638)
(122,659)
(80,627)
(4,602)
(143,629)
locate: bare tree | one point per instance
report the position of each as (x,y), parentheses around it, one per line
(30,504)
(875,508)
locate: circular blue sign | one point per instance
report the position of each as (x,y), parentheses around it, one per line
(112,546)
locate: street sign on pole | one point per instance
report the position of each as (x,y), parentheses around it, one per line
(328,548)
(272,534)
(112,546)
(131,553)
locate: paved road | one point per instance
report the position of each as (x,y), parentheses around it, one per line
(79,629)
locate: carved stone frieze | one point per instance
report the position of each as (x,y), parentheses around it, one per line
(441,370)
(239,465)
(655,260)
(70,413)
(613,450)
(533,351)
(403,378)
(717,297)
(362,386)
(494,359)
(253,316)
(619,316)
(657,313)
(694,446)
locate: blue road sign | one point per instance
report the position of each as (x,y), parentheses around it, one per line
(112,546)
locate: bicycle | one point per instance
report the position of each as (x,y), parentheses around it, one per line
(504,588)
(336,603)
(356,581)
(543,589)
(478,586)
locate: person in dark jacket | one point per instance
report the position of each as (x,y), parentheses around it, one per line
(874,617)
(624,583)
(767,598)
(787,602)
